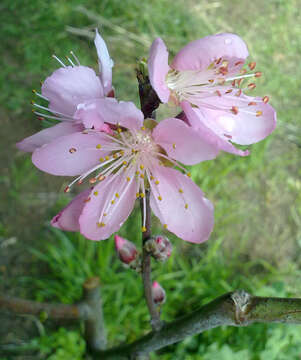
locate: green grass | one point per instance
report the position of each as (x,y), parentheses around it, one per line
(256,243)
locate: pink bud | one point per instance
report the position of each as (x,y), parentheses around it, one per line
(164,247)
(158,293)
(126,250)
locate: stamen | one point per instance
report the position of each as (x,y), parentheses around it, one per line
(60,61)
(70,61)
(252,65)
(265,99)
(76,59)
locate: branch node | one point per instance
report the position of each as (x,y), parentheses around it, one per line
(242,301)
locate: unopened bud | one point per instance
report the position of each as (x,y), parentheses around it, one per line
(160,247)
(126,250)
(158,293)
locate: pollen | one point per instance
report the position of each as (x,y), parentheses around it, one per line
(186,206)
(113,202)
(141,166)
(124,162)
(258,113)
(128,178)
(189,174)
(137,195)
(143,229)
(101,159)
(142,176)
(181,191)
(160,198)
(157,182)
(98,146)
(100,224)
(107,157)
(72,150)
(95,193)
(142,195)
(165,226)
(117,195)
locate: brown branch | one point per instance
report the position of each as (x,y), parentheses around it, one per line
(235,309)
(146,267)
(89,310)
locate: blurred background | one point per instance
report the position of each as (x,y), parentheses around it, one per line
(256,243)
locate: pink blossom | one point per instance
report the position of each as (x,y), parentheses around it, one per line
(136,156)
(207,80)
(126,250)
(158,293)
(65,89)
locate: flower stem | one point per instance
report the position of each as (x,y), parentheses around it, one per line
(146,267)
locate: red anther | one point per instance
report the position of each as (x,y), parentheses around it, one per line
(92,180)
(101,177)
(87,200)
(223,70)
(218,61)
(252,86)
(243,71)
(67,189)
(211,81)
(234,109)
(111,93)
(265,99)
(218,93)
(238,93)
(252,65)
(258,74)
(239,81)
(41,118)
(72,150)
(252,103)
(240,62)
(233,83)
(228,136)
(228,91)
(79,182)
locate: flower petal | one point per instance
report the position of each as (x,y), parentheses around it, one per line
(182,142)
(251,124)
(109,110)
(67,219)
(183,208)
(67,87)
(199,54)
(100,217)
(70,155)
(158,68)
(211,134)
(45,136)
(105,62)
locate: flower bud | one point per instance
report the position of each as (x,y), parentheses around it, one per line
(158,293)
(160,247)
(126,250)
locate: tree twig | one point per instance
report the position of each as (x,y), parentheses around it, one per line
(146,267)
(235,309)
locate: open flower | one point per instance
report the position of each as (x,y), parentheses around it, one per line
(64,90)
(207,80)
(137,156)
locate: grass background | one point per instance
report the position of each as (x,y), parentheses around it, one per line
(256,242)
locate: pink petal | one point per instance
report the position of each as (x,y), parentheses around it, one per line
(199,54)
(105,62)
(109,110)
(70,155)
(193,224)
(182,142)
(100,203)
(158,68)
(67,219)
(45,136)
(201,123)
(244,127)
(67,87)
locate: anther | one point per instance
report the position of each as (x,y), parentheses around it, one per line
(119,130)
(238,93)
(104,214)
(174,146)
(210,81)
(124,162)
(258,74)
(218,61)
(258,113)
(165,226)
(95,193)
(113,202)
(265,99)
(228,91)
(121,152)
(160,198)
(218,93)
(142,176)
(181,191)
(143,229)
(137,172)
(117,195)
(107,157)
(101,177)
(240,62)
(100,224)
(233,83)
(186,206)
(151,177)
(243,71)
(72,150)
(141,167)
(137,195)
(67,189)
(98,146)
(115,156)
(234,110)
(128,178)
(239,81)
(87,200)
(92,180)
(101,159)
(252,86)
(34,91)
(188,174)
(79,182)
(252,103)
(157,182)
(252,65)
(142,195)
(142,128)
